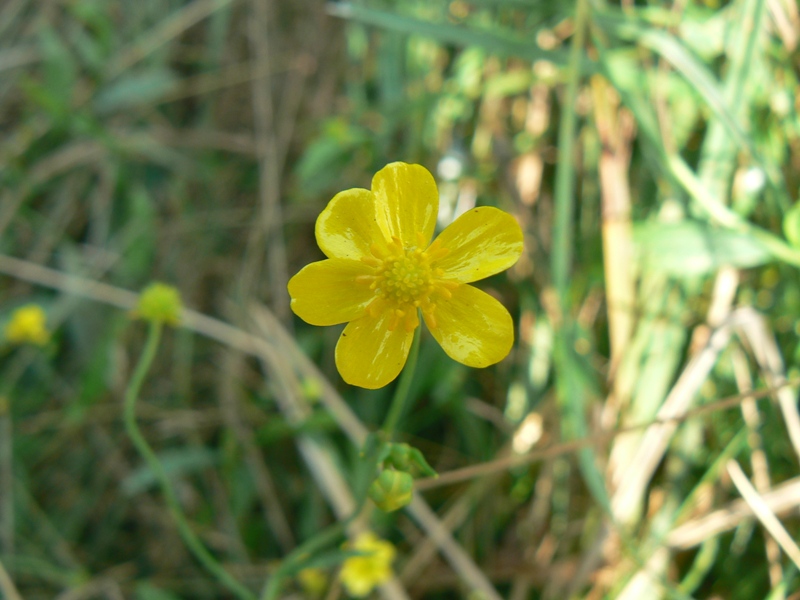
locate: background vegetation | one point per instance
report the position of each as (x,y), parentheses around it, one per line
(651,152)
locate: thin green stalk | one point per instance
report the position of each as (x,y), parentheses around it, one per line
(300,554)
(6,478)
(7,518)
(190,539)
(565,172)
(570,387)
(400,398)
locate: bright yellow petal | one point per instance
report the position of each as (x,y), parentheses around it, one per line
(326,293)
(472,327)
(406,201)
(482,242)
(348,226)
(369,355)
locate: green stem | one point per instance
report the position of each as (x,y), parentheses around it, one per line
(300,554)
(565,172)
(401,392)
(190,539)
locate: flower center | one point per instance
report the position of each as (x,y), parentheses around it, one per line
(404,281)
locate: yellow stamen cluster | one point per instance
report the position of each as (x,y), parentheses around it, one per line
(404,281)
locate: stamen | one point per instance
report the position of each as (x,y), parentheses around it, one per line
(412,321)
(437,253)
(430,320)
(444,292)
(371,260)
(377,251)
(404,282)
(374,308)
(397,315)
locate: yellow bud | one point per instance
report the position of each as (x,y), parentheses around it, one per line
(392,490)
(28,325)
(313,581)
(159,303)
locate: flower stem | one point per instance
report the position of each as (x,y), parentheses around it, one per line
(401,392)
(302,553)
(189,538)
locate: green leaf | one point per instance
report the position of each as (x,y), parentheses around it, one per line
(791,225)
(175,462)
(447,33)
(690,248)
(135,89)
(60,68)
(147,591)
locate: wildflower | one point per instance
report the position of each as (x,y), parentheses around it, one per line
(381,272)
(28,325)
(360,574)
(313,581)
(159,303)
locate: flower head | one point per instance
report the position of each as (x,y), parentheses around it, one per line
(382,272)
(28,325)
(313,581)
(159,303)
(360,574)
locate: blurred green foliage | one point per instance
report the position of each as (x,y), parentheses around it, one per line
(130,151)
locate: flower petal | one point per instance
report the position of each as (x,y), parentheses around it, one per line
(406,201)
(326,293)
(482,242)
(348,225)
(368,354)
(472,327)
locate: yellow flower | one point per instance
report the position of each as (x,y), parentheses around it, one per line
(360,574)
(313,581)
(28,325)
(381,272)
(159,303)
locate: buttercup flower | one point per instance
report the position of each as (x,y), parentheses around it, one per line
(360,574)
(28,325)
(382,271)
(313,581)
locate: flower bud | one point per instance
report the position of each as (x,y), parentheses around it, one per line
(28,325)
(407,458)
(392,490)
(159,303)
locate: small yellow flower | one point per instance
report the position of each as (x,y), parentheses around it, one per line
(28,325)
(313,581)
(382,271)
(360,574)
(159,303)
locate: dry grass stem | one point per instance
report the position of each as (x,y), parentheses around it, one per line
(782,499)
(758,457)
(763,512)
(762,343)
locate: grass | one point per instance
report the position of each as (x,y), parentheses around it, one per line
(651,155)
